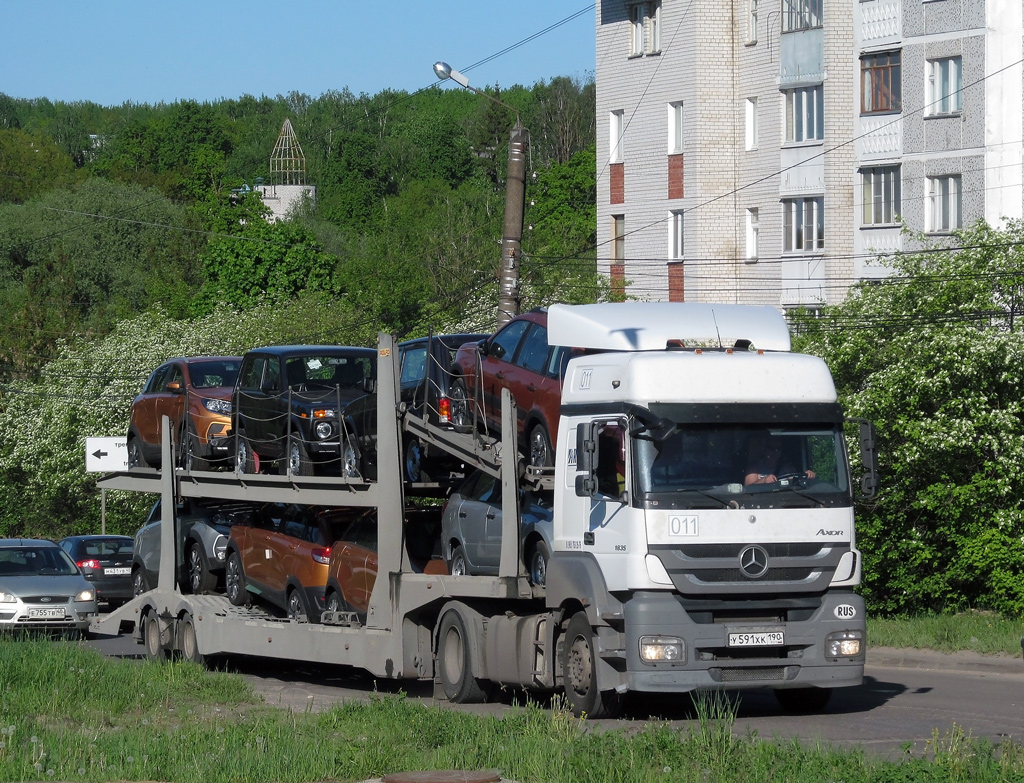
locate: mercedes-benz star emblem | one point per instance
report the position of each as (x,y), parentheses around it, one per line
(753,562)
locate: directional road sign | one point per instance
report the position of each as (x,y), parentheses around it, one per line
(106,455)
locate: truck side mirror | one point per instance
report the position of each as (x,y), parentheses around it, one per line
(586,453)
(369,385)
(869,457)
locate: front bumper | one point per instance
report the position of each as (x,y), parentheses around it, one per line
(59,614)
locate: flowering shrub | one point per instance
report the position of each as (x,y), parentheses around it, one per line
(934,356)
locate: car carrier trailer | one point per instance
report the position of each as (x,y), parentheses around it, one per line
(652,587)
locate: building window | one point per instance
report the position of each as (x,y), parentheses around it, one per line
(644,28)
(800,15)
(615,136)
(944,203)
(753,233)
(751,21)
(675,127)
(805,110)
(750,110)
(803,225)
(880,191)
(675,235)
(944,86)
(618,239)
(880,83)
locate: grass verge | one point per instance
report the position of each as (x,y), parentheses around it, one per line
(981,632)
(68,714)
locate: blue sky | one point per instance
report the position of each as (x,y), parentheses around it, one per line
(112,51)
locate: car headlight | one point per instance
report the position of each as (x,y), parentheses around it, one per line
(86,595)
(662,649)
(8,598)
(323,429)
(217,406)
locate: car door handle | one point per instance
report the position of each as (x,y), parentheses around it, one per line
(462,515)
(531,387)
(490,516)
(500,376)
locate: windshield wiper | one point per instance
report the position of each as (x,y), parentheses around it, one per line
(701,492)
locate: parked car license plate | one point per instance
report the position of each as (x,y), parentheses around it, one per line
(49,613)
(119,571)
(757,639)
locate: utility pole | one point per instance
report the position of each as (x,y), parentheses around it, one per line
(512,237)
(515,202)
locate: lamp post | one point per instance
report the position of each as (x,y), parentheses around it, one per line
(515,193)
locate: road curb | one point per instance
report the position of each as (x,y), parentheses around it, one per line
(911,658)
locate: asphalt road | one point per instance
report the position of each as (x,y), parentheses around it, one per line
(908,697)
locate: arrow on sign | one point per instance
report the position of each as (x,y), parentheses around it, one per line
(98,454)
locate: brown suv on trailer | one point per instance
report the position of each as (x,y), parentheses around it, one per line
(195,393)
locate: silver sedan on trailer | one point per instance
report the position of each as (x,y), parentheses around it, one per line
(41,588)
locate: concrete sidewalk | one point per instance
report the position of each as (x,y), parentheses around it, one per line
(911,658)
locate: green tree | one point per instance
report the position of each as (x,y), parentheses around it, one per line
(30,165)
(934,356)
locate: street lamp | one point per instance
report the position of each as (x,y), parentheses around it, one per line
(515,192)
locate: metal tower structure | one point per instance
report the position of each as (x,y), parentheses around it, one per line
(287,163)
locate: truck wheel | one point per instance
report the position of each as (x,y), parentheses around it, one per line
(541,453)
(539,564)
(151,640)
(803,700)
(453,662)
(189,645)
(297,462)
(234,582)
(458,566)
(460,404)
(140,584)
(200,580)
(579,673)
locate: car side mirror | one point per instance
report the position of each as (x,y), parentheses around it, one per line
(174,387)
(369,385)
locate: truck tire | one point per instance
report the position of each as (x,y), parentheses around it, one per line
(455,664)
(189,645)
(151,638)
(579,673)
(234,581)
(803,700)
(200,580)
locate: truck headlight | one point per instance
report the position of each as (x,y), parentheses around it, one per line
(844,644)
(323,430)
(662,649)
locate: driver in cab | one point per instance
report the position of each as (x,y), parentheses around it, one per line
(766,465)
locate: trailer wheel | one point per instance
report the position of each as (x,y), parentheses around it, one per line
(454,663)
(579,673)
(189,645)
(803,700)
(151,638)
(234,581)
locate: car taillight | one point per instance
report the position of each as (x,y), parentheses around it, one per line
(444,410)
(322,554)
(89,564)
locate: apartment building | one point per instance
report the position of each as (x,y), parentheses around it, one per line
(765,153)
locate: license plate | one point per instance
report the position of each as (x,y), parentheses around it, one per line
(757,639)
(49,613)
(119,571)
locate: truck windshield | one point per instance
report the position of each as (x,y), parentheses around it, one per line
(715,464)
